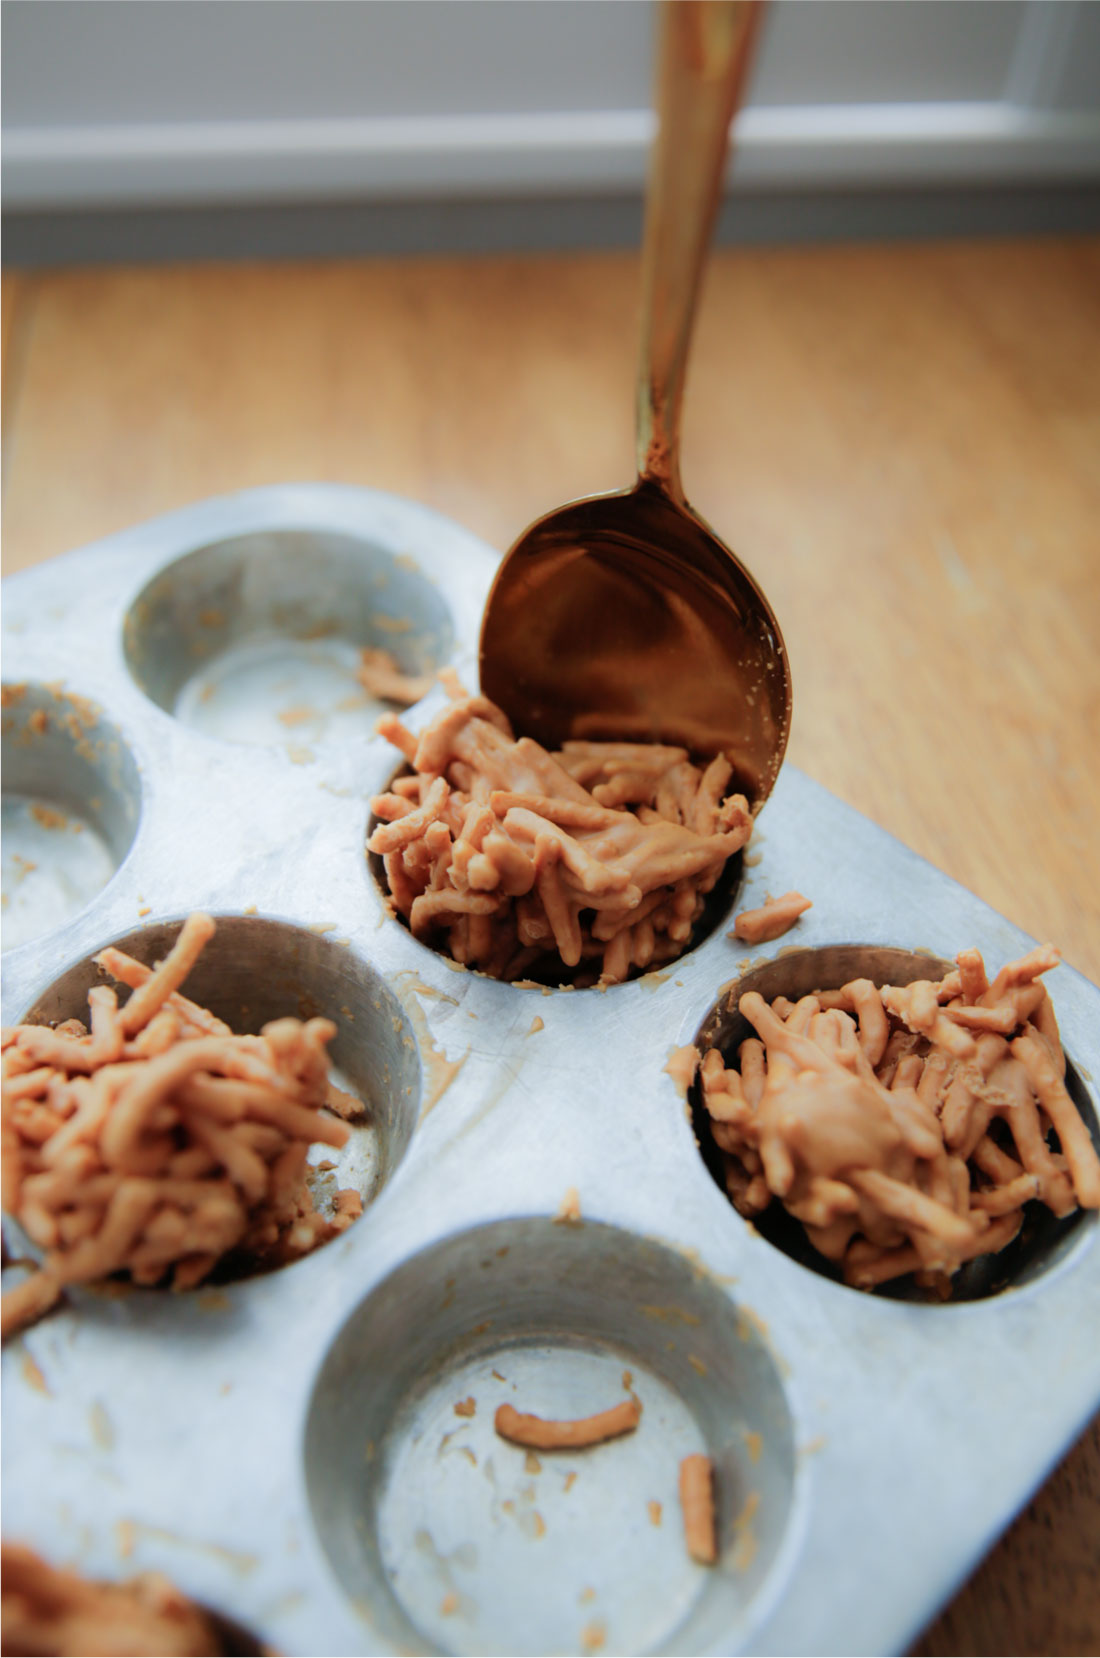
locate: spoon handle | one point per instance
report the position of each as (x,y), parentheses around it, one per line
(705,51)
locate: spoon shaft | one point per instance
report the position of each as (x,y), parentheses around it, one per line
(705,51)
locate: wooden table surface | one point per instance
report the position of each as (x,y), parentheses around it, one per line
(903,443)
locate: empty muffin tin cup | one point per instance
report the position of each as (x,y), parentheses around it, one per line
(257,639)
(1042,1242)
(454,1539)
(71,807)
(256,969)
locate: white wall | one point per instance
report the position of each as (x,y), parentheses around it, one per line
(159,102)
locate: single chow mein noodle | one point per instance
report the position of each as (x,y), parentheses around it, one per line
(697,1507)
(379,675)
(774,918)
(546,1434)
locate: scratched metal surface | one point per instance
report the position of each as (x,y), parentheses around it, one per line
(286,1447)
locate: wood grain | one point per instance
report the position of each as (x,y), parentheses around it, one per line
(903,443)
(1038,1591)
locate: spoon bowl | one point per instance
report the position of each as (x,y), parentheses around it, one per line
(623,616)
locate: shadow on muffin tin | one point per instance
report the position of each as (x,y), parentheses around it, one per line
(1042,1242)
(458,1539)
(256,969)
(71,807)
(256,639)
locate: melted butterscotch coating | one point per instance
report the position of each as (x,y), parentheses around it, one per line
(871,1114)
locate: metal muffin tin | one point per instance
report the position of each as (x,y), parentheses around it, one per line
(286,1447)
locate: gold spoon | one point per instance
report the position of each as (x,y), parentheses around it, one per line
(623,616)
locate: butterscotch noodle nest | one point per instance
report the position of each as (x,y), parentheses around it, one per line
(905,1127)
(45,1611)
(524,863)
(157,1142)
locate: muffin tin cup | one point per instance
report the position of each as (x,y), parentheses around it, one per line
(258,968)
(205,1435)
(72,805)
(1043,1241)
(548,973)
(256,638)
(456,1537)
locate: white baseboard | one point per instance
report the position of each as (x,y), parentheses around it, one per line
(777,147)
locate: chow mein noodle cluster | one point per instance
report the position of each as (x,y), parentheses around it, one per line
(905,1126)
(596,859)
(156,1141)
